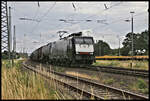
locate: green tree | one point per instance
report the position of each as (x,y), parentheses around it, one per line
(140,46)
(114,52)
(102,48)
(5,55)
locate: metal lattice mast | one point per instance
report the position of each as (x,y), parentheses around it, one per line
(5,41)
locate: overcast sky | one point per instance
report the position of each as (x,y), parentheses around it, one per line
(107,21)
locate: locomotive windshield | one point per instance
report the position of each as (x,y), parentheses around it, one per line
(88,40)
(79,40)
(84,40)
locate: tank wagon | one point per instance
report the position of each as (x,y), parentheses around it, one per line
(73,49)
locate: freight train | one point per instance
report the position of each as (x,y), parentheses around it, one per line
(70,50)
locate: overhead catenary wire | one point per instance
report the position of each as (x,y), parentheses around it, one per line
(44,15)
(75,9)
(74,20)
(17,16)
(110,6)
(136,26)
(71,16)
(34,17)
(120,19)
(14,8)
(41,18)
(100,12)
(77,21)
(105,10)
(98,21)
(36,14)
(115,4)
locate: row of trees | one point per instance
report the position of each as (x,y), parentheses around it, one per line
(140,40)
(102,48)
(5,55)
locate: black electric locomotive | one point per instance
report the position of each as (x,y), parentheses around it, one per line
(70,50)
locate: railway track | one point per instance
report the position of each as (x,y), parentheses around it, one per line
(120,70)
(87,87)
(116,70)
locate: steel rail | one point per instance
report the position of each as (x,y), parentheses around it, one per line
(120,92)
(119,70)
(116,90)
(84,92)
(114,70)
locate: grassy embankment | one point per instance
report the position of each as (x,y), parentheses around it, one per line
(137,85)
(20,84)
(125,64)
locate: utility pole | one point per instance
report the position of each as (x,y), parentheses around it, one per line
(13,52)
(40,38)
(10,44)
(132,37)
(100,43)
(9,33)
(9,21)
(24,45)
(119,45)
(99,51)
(14,43)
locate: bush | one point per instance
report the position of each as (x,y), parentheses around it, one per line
(7,64)
(109,81)
(141,84)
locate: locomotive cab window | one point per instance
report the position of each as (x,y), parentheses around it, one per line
(83,40)
(88,40)
(79,40)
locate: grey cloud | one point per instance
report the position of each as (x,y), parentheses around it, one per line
(50,23)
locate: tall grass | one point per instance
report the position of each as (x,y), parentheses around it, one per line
(141,86)
(126,64)
(20,84)
(82,75)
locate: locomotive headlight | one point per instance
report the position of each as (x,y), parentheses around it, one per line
(91,53)
(77,52)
